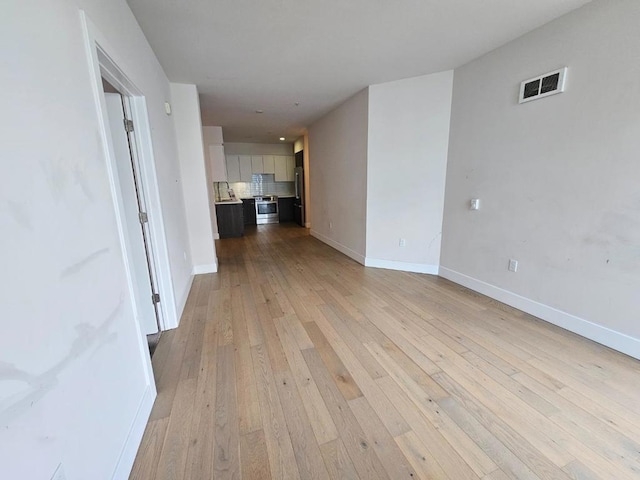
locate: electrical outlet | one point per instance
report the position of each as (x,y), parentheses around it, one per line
(402,242)
(59,474)
(513,265)
(475,204)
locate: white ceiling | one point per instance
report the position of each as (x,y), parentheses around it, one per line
(248,55)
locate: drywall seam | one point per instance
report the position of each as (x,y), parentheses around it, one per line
(603,335)
(338,246)
(401,266)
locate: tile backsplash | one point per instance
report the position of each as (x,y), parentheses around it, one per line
(261,184)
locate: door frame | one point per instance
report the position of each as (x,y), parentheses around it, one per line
(104,62)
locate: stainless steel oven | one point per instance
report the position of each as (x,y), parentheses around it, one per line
(267,209)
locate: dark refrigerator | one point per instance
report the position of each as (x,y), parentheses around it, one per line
(298,202)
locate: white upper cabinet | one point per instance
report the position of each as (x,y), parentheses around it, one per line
(280,168)
(233,169)
(256,164)
(268,164)
(245,168)
(217,163)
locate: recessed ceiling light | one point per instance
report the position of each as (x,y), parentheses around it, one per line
(259,111)
(282,139)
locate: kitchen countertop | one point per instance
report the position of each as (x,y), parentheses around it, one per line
(228,202)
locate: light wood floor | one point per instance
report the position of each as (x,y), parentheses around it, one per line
(296,362)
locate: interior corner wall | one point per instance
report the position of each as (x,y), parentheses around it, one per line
(407,160)
(73,383)
(338,176)
(186,118)
(557,178)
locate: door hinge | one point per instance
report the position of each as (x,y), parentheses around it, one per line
(155,298)
(128,125)
(143,217)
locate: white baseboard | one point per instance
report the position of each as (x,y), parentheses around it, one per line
(402,266)
(338,246)
(307,225)
(611,338)
(208,268)
(216,236)
(132,443)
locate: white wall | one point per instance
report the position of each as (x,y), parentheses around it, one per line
(557,177)
(338,176)
(186,118)
(258,148)
(407,160)
(71,367)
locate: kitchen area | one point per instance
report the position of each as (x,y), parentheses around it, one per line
(253,184)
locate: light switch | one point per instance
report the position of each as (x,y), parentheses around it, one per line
(475,204)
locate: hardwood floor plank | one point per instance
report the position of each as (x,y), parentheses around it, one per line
(420,457)
(389,415)
(303,440)
(282,459)
(456,436)
(293,361)
(353,437)
(249,418)
(519,442)
(148,457)
(337,461)
(317,412)
(394,462)
(447,456)
(339,372)
(254,457)
(227,455)
(202,446)
(173,458)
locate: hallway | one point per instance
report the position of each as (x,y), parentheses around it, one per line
(296,362)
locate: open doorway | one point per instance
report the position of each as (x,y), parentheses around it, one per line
(137,235)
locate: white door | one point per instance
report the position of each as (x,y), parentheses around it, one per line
(136,234)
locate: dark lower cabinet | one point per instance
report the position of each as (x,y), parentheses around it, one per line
(249,208)
(285,207)
(230,220)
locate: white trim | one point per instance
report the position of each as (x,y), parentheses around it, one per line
(307,225)
(338,246)
(611,338)
(401,266)
(134,438)
(156,220)
(216,236)
(209,268)
(183,299)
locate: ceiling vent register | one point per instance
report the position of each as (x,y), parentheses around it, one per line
(543,85)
